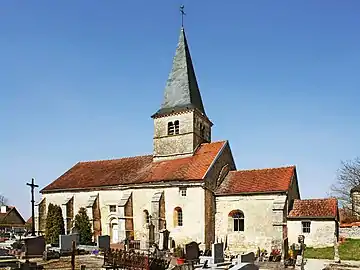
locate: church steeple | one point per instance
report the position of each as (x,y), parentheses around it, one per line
(182,90)
(180,125)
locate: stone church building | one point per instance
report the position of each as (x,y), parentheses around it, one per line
(189,184)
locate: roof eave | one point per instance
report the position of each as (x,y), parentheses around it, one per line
(311,217)
(252,193)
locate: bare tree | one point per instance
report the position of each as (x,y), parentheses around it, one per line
(3,200)
(348,178)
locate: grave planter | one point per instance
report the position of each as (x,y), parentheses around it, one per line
(180,261)
(179,255)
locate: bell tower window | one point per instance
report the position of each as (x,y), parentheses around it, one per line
(177,128)
(170,128)
(173,127)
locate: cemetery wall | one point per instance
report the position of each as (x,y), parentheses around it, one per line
(192,206)
(258,222)
(350,232)
(321,232)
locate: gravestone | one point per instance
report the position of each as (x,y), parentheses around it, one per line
(247,257)
(65,242)
(103,242)
(192,251)
(164,240)
(218,252)
(34,246)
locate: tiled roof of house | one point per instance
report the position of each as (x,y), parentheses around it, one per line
(257,181)
(315,208)
(137,170)
(29,221)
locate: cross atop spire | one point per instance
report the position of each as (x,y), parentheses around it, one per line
(181,91)
(182,15)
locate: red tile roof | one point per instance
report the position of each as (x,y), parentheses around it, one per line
(315,208)
(257,181)
(349,225)
(29,221)
(137,170)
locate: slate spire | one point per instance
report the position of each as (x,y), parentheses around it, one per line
(181,91)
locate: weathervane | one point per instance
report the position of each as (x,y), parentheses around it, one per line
(182,15)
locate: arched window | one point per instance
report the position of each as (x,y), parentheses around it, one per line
(236,217)
(177,126)
(170,128)
(178,217)
(146,216)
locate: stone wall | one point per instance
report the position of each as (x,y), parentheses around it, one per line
(182,144)
(351,232)
(321,232)
(42,212)
(192,206)
(259,229)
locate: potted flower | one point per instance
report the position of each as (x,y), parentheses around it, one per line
(179,254)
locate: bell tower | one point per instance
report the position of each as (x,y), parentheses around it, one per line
(180,125)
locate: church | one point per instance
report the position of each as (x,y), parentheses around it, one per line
(189,185)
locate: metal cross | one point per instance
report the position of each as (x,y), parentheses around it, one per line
(182,15)
(32,186)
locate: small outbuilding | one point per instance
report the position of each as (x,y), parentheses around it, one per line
(316,219)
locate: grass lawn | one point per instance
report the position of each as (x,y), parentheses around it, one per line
(349,250)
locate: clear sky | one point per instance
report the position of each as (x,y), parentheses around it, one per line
(79,80)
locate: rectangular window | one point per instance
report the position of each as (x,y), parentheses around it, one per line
(112,208)
(183,192)
(306,226)
(238,225)
(180,218)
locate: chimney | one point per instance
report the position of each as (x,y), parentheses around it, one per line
(3,209)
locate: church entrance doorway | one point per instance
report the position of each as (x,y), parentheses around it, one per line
(114,231)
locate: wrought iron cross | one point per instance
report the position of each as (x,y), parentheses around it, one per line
(182,15)
(32,186)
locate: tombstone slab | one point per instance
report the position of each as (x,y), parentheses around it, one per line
(247,257)
(218,252)
(65,242)
(103,242)
(192,251)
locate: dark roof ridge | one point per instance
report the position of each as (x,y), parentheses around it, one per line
(263,169)
(317,199)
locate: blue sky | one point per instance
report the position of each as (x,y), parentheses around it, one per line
(79,80)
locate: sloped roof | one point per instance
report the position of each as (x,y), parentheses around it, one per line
(181,91)
(137,170)
(315,208)
(257,181)
(3,216)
